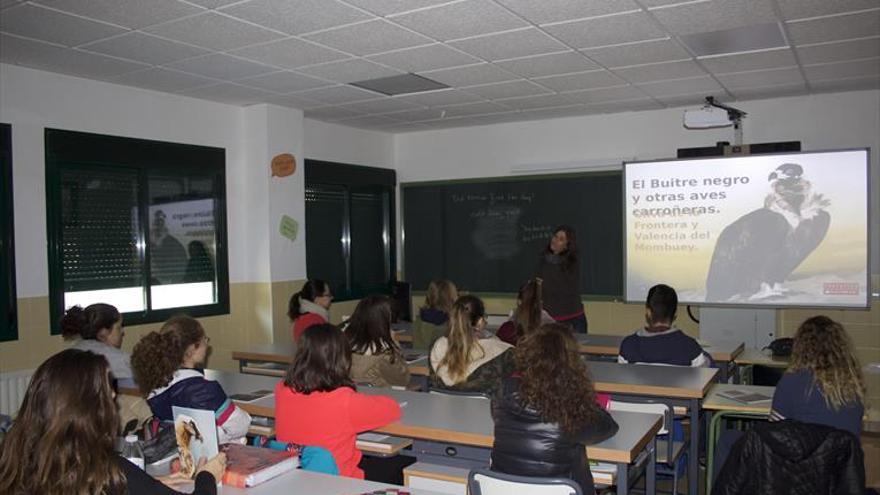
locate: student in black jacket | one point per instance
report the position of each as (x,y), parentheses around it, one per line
(546,413)
(62,441)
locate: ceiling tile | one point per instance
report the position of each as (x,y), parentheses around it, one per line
(48,25)
(606,94)
(337,95)
(388,7)
(331,113)
(609,30)
(774,77)
(43,56)
(215,31)
(540,101)
(160,79)
(221,66)
(837,28)
(213,4)
(460,20)
(511,89)
(676,87)
(381,105)
(799,9)
(283,82)
(5,4)
(581,80)
(296,16)
(368,38)
(843,70)
(660,72)
(855,84)
(423,58)
(643,52)
(441,98)
(417,114)
(368,122)
(545,11)
(133,14)
(764,92)
(548,65)
(512,44)
(352,70)
(290,53)
(144,48)
(633,105)
(479,108)
(292,101)
(470,76)
(554,113)
(714,15)
(835,52)
(771,59)
(232,94)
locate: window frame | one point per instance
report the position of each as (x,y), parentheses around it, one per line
(351,177)
(8,328)
(66,150)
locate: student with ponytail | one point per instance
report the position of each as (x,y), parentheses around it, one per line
(466,359)
(528,315)
(98,328)
(310,306)
(167,368)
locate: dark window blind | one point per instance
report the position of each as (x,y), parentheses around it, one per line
(8,299)
(326,234)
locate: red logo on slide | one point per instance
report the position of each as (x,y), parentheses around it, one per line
(840,288)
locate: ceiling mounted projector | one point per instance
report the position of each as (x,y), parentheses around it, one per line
(712,115)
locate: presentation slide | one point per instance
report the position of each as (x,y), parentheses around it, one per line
(761,230)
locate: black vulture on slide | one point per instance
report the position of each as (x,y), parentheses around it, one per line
(756,253)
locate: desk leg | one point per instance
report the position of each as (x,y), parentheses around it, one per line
(651,473)
(622,478)
(694,455)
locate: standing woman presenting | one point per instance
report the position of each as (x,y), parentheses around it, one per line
(560,270)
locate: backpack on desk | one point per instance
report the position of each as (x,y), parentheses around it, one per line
(781,347)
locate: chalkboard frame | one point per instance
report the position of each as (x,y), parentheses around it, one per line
(604,172)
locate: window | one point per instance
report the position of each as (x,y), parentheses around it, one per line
(137,224)
(349,227)
(8,301)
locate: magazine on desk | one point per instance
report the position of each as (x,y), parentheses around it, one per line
(196,433)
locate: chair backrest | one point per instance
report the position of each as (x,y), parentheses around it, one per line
(486,482)
(645,407)
(317,459)
(459,393)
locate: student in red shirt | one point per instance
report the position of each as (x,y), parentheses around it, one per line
(317,403)
(310,306)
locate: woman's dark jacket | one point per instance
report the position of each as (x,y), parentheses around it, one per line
(793,458)
(526,445)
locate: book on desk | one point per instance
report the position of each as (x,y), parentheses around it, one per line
(249,466)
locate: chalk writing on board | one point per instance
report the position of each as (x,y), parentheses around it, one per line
(533,232)
(494,198)
(496,229)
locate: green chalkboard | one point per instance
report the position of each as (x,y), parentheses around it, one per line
(487,235)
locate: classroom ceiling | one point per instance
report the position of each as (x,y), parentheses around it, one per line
(504,60)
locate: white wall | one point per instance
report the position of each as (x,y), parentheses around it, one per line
(827,121)
(337,143)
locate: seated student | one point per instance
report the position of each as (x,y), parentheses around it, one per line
(166,367)
(310,306)
(660,342)
(98,328)
(317,404)
(62,442)
(375,356)
(433,319)
(547,411)
(465,359)
(528,315)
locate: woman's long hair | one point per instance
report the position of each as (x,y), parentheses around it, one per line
(322,361)
(369,329)
(527,316)
(87,323)
(570,254)
(62,442)
(822,347)
(463,343)
(313,288)
(441,295)
(554,378)
(159,354)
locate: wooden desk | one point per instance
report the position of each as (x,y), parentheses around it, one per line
(299,481)
(467,422)
(252,359)
(761,358)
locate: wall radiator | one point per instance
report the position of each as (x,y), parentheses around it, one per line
(13,385)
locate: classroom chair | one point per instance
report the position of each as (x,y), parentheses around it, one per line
(311,458)
(483,481)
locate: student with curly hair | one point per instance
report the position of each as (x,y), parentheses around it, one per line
(167,368)
(528,315)
(317,404)
(376,358)
(433,319)
(310,306)
(466,359)
(62,442)
(547,412)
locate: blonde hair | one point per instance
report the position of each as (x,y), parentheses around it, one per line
(466,313)
(441,295)
(822,347)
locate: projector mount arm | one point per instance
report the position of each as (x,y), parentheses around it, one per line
(734,114)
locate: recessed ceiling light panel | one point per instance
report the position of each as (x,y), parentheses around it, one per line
(398,85)
(737,40)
